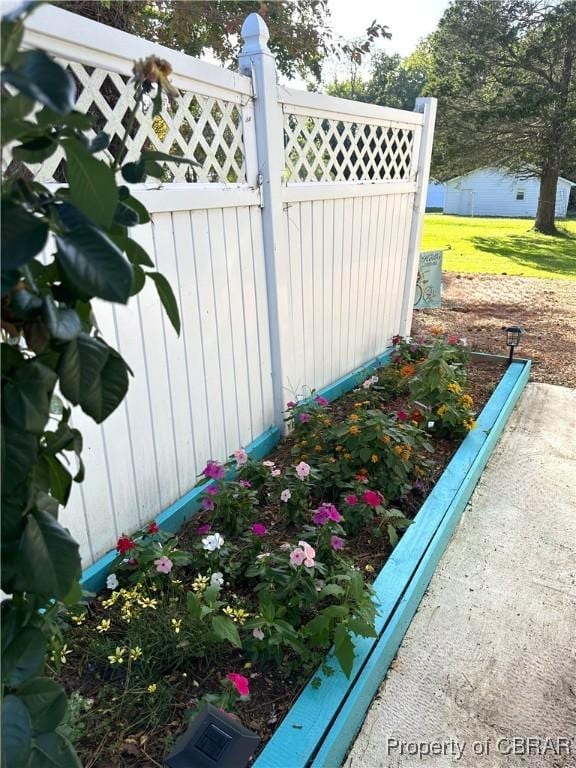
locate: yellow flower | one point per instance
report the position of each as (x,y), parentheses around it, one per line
(347,456)
(332,460)
(104,625)
(398,450)
(118,656)
(374,458)
(369,568)
(304,442)
(61,654)
(455,388)
(357,405)
(386,440)
(176,581)
(467,401)
(152,688)
(339,448)
(135,653)
(317,448)
(470,425)
(176,625)
(200,583)
(442,410)
(148,602)
(354,430)
(79,619)
(353,417)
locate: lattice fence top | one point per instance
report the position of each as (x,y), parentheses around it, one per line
(205,128)
(324,149)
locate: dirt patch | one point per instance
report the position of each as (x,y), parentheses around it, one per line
(480,306)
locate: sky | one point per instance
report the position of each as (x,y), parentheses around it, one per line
(407,20)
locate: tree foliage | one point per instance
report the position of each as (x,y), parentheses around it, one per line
(61,248)
(300,33)
(505,76)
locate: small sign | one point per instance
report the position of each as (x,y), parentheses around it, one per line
(429,281)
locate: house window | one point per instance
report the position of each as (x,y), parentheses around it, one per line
(519,194)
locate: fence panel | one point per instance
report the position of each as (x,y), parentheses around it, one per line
(291,251)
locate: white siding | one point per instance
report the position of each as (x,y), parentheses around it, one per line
(490,192)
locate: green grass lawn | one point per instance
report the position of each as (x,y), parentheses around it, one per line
(501,245)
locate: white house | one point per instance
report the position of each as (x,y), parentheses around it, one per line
(435,194)
(494,192)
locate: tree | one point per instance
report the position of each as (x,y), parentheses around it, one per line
(505,76)
(393,82)
(300,33)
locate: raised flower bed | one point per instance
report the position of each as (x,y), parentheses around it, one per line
(277,560)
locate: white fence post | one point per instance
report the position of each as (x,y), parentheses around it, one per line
(257,61)
(428,107)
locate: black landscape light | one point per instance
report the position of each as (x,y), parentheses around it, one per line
(512,340)
(213,740)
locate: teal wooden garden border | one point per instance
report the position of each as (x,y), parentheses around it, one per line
(321,725)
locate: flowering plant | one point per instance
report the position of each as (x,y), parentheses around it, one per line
(149,554)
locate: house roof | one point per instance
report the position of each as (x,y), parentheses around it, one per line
(504,172)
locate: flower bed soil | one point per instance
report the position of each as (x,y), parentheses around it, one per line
(109,744)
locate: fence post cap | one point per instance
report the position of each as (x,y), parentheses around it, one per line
(255,35)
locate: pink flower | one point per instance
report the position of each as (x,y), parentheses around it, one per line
(286,495)
(213,470)
(276,472)
(291,404)
(207,504)
(372,498)
(204,529)
(309,554)
(396,339)
(297,556)
(361,478)
(320,517)
(336,543)
(326,512)
(245,483)
(259,530)
(304,418)
(239,682)
(258,634)
(453,339)
(402,416)
(351,499)
(302,470)
(321,401)
(153,527)
(241,457)
(212,490)
(163,564)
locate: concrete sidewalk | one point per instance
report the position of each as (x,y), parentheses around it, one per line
(491,654)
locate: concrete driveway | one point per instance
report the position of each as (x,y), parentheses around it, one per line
(486,675)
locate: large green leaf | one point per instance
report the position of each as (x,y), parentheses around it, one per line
(81,365)
(15,106)
(137,255)
(46,702)
(23,656)
(16,733)
(92,183)
(55,478)
(225,629)
(11,32)
(25,305)
(167,298)
(19,452)
(23,235)
(37,76)
(63,324)
(35,150)
(107,391)
(140,209)
(91,262)
(52,750)
(50,558)
(27,397)
(344,649)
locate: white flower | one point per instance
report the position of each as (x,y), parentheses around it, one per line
(276,472)
(217,579)
(368,383)
(212,542)
(112,581)
(258,634)
(241,457)
(263,556)
(267,463)
(286,494)
(464,341)
(430,425)
(302,470)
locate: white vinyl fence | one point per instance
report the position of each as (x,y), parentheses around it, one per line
(293,256)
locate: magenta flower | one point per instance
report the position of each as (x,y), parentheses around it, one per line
(336,543)
(304,418)
(214,470)
(351,499)
(452,339)
(241,457)
(204,529)
(321,401)
(291,404)
(326,512)
(163,564)
(320,517)
(259,530)
(212,490)
(402,416)
(396,339)
(372,498)
(207,504)
(239,682)
(245,483)
(276,472)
